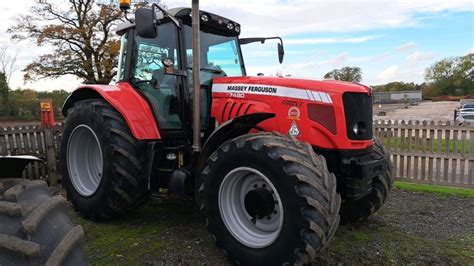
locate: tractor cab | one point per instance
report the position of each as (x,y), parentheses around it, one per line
(160,65)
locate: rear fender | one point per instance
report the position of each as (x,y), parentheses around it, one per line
(127,101)
(231,129)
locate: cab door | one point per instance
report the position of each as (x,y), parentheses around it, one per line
(163,91)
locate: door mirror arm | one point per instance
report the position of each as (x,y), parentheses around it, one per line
(281,49)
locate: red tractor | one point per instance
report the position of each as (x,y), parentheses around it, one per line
(283,159)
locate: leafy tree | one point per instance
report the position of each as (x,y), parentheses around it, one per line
(3,94)
(428,89)
(452,76)
(24,104)
(351,74)
(80,32)
(397,86)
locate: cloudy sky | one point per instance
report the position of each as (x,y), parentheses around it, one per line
(390,40)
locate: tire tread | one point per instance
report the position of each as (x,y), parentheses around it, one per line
(128,189)
(302,164)
(26,244)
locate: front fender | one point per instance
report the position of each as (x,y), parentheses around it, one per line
(231,129)
(127,101)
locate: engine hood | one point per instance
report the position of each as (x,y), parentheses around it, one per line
(311,110)
(330,86)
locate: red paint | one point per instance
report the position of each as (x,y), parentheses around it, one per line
(136,110)
(310,131)
(133,107)
(47,113)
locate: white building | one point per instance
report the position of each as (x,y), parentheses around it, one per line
(398,96)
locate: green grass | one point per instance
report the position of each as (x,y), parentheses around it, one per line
(172,231)
(161,233)
(439,190)
(381,243)
(424,145)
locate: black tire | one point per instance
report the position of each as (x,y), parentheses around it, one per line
(123,186)
(381,186)
(35,228)
(306,188)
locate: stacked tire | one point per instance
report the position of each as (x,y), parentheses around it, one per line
(35,228)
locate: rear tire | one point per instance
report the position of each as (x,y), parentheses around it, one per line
(120,184)
(298,184)
(35,228)
(381,186)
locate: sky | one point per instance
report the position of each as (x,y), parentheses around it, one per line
(389,40)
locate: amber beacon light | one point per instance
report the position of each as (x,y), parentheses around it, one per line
(124,4)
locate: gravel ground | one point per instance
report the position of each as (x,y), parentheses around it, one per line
(412,227)
(430,216)
(438,111)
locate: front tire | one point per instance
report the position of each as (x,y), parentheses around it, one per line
(101,161)
(269,200)
(381,185)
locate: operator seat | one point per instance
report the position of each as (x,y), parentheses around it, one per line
(162,91)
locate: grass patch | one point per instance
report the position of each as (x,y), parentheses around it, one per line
(164,232)
(379,243)
(172,232)
(439,190)
(458,250)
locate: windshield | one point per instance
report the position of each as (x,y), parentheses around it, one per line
(219,55)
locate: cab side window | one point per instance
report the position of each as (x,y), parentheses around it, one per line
(149,75)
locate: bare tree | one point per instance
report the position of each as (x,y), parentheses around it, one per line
(8,57)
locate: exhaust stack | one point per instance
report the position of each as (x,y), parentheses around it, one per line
(196,77)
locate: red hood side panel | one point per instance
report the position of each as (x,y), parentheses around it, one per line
(288,99)
(133,107)
(330,86)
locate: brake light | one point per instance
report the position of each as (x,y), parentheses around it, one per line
(324,115)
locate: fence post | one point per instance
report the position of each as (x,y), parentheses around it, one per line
(51,155)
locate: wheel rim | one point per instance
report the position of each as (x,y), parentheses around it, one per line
(84,160)
(246,209)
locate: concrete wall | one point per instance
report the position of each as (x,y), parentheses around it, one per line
(398,96)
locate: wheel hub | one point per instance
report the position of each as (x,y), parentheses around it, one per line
(84,160)
(259,203)
(250,207)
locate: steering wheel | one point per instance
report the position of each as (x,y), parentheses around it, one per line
(212,70)
(137,82)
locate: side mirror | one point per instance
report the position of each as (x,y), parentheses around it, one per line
(145,23)
(281,50)
(281,53)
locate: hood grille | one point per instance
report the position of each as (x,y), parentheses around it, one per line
(358,111)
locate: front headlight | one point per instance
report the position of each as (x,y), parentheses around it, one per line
(359,128)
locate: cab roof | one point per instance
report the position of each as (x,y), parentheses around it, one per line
(179,12)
